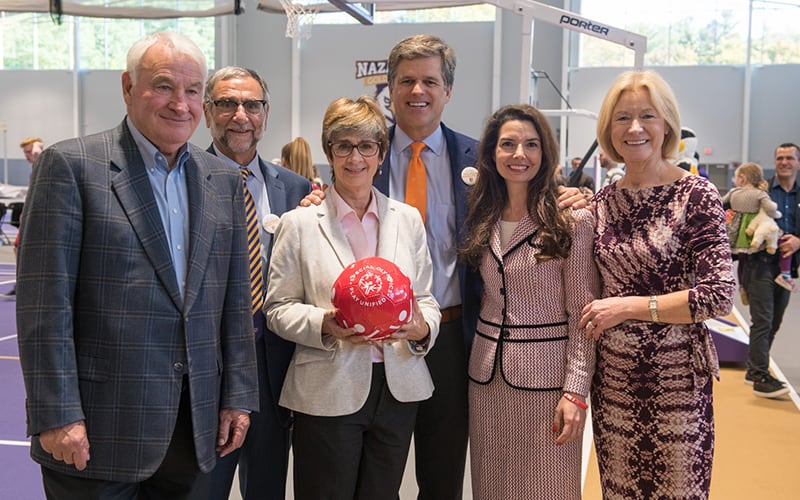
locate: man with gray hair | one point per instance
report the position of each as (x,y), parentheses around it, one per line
(133,305)
(236,106)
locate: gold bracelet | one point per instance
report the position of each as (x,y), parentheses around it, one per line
(653,305)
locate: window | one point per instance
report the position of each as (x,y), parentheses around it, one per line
(467,13)
(689,32)
(35,41)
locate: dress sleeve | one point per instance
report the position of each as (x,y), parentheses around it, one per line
(709,250)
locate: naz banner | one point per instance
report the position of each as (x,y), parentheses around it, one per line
(375,74)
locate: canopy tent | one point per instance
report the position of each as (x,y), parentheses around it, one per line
(124,9)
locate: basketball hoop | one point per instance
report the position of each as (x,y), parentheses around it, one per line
(299,18)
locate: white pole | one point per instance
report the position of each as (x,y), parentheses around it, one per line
(5,152)
(748,70)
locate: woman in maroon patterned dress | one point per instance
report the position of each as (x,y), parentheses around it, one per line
(664,256)
(531,365)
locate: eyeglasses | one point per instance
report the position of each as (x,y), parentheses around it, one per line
(251,106)
(343,149)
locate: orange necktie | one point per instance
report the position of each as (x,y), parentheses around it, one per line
(417,182)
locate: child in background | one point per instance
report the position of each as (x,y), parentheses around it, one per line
(745,200)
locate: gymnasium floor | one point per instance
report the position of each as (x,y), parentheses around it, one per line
(756,445)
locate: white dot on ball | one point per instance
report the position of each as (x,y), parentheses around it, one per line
(359,328)
(403,315)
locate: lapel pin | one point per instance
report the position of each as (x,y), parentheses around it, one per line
(270,222)
(469,175)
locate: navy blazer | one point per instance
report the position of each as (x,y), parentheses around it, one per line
(285,189)
(462,151)
(104,334)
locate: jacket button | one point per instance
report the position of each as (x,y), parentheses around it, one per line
(177,366)
(504,334)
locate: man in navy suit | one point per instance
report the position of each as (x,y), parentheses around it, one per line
(133,308)
(421,74)
(236,109)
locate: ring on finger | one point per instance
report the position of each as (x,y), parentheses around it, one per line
(590,326)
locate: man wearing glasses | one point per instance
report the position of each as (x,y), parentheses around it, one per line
(236,109)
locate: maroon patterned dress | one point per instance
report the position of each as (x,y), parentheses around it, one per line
(652,391)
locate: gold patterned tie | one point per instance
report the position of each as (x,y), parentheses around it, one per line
(417,182)
(253,247)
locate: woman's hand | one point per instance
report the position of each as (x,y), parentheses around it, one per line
(416,329)
(331,327)
(602,314)
(572,197)
(570,419)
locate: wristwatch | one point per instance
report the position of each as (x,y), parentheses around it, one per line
(653,305)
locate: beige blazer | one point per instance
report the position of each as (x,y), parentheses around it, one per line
(329,377)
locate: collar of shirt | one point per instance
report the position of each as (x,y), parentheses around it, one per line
(434,142)
(150,154)
(345,214)
(253,166)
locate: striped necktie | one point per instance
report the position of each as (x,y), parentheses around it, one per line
(253,247)
(417,182)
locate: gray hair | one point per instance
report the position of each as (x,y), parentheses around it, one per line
(229,72)
(179,43)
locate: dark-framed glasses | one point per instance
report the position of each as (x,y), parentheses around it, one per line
(343,149)
(251,106)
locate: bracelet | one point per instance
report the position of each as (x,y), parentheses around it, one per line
(572,399)
(653,306)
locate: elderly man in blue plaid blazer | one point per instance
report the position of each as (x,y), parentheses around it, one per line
(133,310)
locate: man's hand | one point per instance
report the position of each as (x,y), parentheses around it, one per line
(68,444)
(315,197)
(572,197)
(233,425)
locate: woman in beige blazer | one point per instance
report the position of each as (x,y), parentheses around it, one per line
(354,400)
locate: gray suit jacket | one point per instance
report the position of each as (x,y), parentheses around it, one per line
(328,377)
(104,335)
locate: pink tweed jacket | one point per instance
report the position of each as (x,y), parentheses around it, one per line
(528,325)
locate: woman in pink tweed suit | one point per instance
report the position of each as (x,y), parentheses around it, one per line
(530,366)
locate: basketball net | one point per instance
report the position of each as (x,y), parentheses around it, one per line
(299,18)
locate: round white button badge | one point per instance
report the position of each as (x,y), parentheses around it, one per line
(469,175)
(270,222)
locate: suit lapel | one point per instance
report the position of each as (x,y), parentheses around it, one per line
(276,190)
(132,188)
(460,156)
(326,217)
(202,223)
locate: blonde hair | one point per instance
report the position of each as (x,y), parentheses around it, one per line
(296,156)
(663,101)
(753,174)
